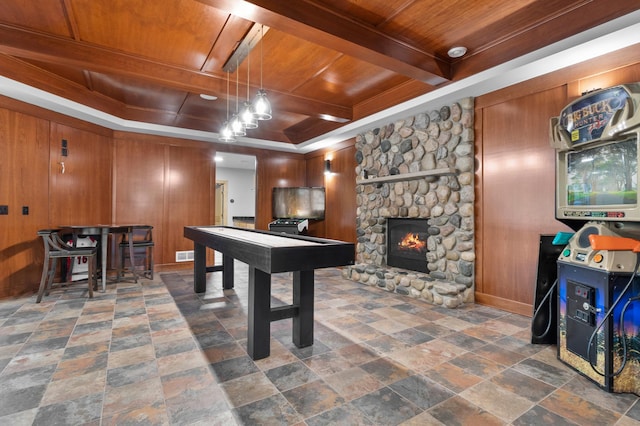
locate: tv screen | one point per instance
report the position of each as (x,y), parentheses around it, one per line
(606,175)
(299,203)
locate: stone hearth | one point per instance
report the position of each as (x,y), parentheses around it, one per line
(434,151)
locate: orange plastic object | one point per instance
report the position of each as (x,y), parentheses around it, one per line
(598,258)
(606,242)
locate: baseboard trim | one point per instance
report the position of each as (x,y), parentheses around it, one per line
(170,267)
(504,304)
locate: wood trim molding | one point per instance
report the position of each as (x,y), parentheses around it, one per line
(504,304)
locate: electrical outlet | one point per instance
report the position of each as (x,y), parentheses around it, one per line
(4,209)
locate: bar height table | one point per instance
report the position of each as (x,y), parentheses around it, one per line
(103,231)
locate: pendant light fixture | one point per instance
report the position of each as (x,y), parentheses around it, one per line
(247,115)
(236,123)
(226,134)
(261,104)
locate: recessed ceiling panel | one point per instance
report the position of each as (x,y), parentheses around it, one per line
(136,93)
(46,16)
(178,32)
(348,82)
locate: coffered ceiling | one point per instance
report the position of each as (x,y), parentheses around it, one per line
(325,64)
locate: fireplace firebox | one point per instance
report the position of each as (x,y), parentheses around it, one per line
(407,243)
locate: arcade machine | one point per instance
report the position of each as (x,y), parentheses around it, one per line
(598,285)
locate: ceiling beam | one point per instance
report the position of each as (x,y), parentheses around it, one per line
(21,43)
(250,40)
(327,28)
(26,44)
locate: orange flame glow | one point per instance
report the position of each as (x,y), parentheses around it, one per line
(412,242)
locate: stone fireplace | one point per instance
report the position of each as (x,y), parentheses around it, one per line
(419,168)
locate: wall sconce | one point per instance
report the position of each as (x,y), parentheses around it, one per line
(327,167)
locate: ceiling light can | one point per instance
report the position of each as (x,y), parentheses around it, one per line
(456,52)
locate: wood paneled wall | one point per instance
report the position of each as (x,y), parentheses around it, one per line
(340,191)
(139,185)
(515,180)
(80,183)
(24,171)
(189,192)
(342,225)
(517,195)
(110,177)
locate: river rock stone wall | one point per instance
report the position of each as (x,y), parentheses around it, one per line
(437,140)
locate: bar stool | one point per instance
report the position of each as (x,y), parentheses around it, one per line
(142,236)
(55,248)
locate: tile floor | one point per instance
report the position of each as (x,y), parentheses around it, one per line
(156,353)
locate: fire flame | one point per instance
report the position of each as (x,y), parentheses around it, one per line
(412,242)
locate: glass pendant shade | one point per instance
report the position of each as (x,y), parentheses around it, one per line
(247,116)
(236,126)
(262,106)
(226,134)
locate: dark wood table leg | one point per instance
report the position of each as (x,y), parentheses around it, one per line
(259,328)
(104,241)
(303,298)
(199,268)
(227,272)
(131,254)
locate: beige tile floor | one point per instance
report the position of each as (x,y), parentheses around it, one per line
(153,352)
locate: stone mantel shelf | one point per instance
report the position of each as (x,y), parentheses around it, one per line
(407,176)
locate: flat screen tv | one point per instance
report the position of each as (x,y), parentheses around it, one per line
(299,203)
(599,182)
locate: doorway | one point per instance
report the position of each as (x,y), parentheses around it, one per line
(235,190)
(221,210)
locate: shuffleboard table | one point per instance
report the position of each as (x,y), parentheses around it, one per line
(266,253)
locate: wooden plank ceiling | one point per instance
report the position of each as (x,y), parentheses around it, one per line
(323,63)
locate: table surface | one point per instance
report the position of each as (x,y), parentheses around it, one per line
(99,227)
(272,251)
